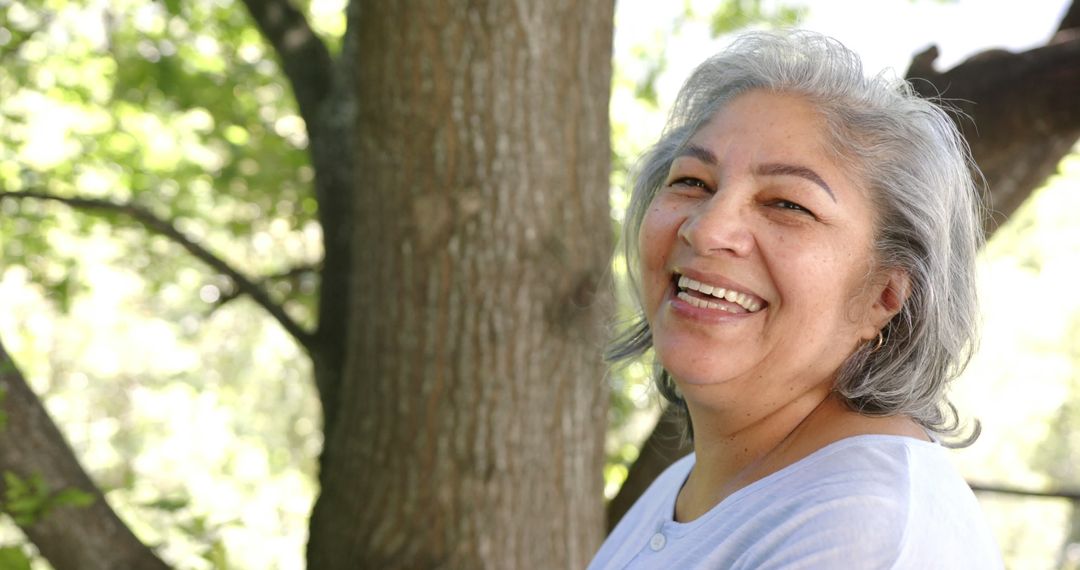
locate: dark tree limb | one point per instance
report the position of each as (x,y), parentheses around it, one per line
(1024,116)
(333,154)
(1071,19)
(76,538)
(94,537)
(1069,494)
(664,446)
(326,104)
(291,274)
(167,229)
(1025,119)
(304,57)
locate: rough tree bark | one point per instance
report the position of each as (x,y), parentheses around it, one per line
(461,156)
(468,430)
(1023,120)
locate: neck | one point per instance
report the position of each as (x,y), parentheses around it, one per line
(735,448)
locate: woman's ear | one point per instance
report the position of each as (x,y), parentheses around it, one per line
(892,291)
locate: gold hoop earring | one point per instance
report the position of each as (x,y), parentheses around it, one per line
(880,341)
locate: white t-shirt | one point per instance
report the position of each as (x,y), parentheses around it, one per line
(869,501)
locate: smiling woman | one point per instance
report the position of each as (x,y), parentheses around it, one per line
(803,241)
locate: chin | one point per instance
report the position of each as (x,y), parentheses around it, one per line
(712,375)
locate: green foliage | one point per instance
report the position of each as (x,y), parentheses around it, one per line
(208,534)
(13,558)
(25,500)
(735,15)
(178,107)
(71,497)
(29,500)
(169,504)
(216,555)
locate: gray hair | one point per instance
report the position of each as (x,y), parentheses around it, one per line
(926,190)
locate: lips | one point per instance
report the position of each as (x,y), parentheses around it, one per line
(711,296)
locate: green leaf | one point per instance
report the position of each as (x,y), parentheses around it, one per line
(169,504)
(173,6)
(29,500)
(72,497)
(15,485)
(735,15)
(217,556)
(13,558)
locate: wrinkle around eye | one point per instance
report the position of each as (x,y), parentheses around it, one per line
(689,182)
(789,205)
(793,208)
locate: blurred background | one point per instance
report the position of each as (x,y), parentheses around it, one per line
(195,411)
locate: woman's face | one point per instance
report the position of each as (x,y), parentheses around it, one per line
(757,272)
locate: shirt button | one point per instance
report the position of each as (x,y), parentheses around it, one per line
(657,541)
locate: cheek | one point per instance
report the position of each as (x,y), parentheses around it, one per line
(814,278)
(659,229)
(830,285)
(656,241)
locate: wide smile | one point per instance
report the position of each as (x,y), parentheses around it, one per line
(716,297)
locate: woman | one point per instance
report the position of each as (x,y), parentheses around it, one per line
(804,241)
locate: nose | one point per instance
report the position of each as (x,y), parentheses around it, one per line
(719,225)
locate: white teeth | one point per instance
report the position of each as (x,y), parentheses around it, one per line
(742,299)
(702,303)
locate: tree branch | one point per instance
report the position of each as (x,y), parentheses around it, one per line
(326,101)
(1071,19)
(167,229)
(292,274)
(664,446)
(1024,115)
(304,57)
(83,538)
(1069,494)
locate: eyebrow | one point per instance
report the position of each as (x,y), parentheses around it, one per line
(701,153)
(770,169)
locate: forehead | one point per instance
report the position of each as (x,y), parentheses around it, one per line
(782,122)
(761,126)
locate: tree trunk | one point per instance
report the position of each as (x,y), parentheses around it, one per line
(470,417)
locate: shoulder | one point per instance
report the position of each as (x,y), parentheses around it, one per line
(877,500)
(845,504)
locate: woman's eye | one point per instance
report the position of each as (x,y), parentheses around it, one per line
(690,182)
(789,205)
